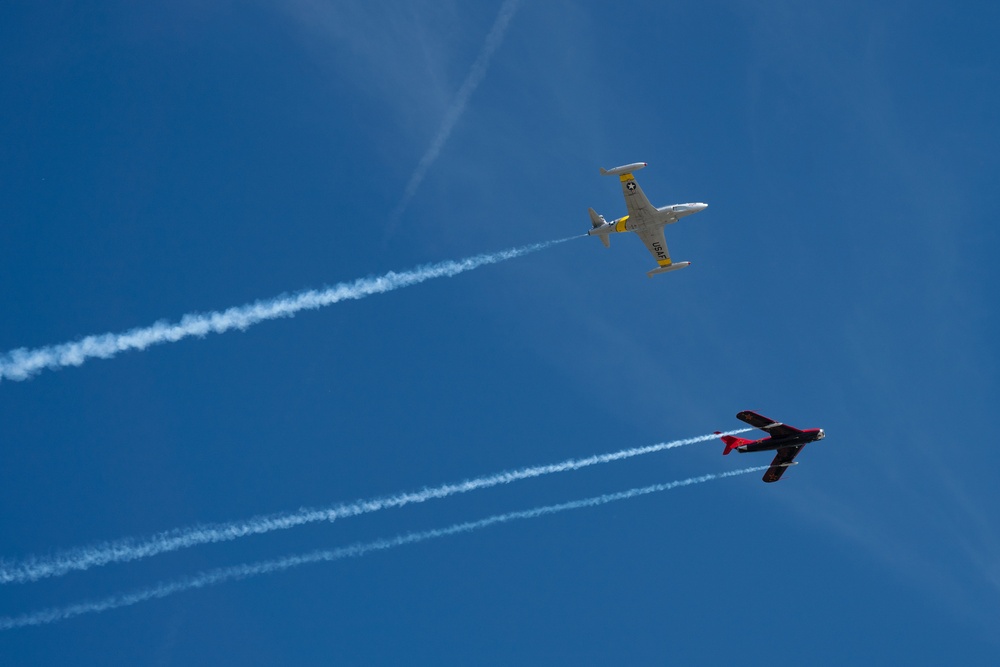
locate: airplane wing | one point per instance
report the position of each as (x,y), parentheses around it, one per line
(656,242)
(768,425)
(780,463)
(639,208)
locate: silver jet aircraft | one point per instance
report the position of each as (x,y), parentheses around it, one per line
(643,218)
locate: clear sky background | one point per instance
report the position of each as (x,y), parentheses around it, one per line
(166,158)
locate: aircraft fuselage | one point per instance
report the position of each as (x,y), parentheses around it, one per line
(772,443)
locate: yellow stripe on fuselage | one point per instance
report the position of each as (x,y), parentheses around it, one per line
(620,224)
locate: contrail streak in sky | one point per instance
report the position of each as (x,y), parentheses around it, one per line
(244,571)
(130,549)
(472,81)
(23,363)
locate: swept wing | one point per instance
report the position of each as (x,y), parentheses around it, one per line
(767,425)
(781,461)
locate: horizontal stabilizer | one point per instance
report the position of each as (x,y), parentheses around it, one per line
(596,219)
(624,169)
(599,223)
(732,442)
(669,267)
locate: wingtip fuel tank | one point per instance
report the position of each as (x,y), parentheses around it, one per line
(671,267)
(624,169)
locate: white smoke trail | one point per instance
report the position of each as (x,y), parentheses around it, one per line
(130,549)
(23,363)
(237,572)
(472,81)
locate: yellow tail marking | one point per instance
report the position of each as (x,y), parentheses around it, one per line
(620,224)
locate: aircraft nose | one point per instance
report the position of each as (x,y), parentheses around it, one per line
(699,207)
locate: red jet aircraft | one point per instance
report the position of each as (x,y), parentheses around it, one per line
(788,440)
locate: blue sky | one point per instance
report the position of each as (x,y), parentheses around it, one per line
(172,158)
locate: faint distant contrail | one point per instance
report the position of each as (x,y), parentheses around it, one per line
(472,81)
(23,363)
(130,549)
(237,572)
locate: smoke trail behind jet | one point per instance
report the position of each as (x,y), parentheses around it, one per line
(131,549)
(245,571)
(23,363)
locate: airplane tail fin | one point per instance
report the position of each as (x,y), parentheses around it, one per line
(598,221)
(732,442)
